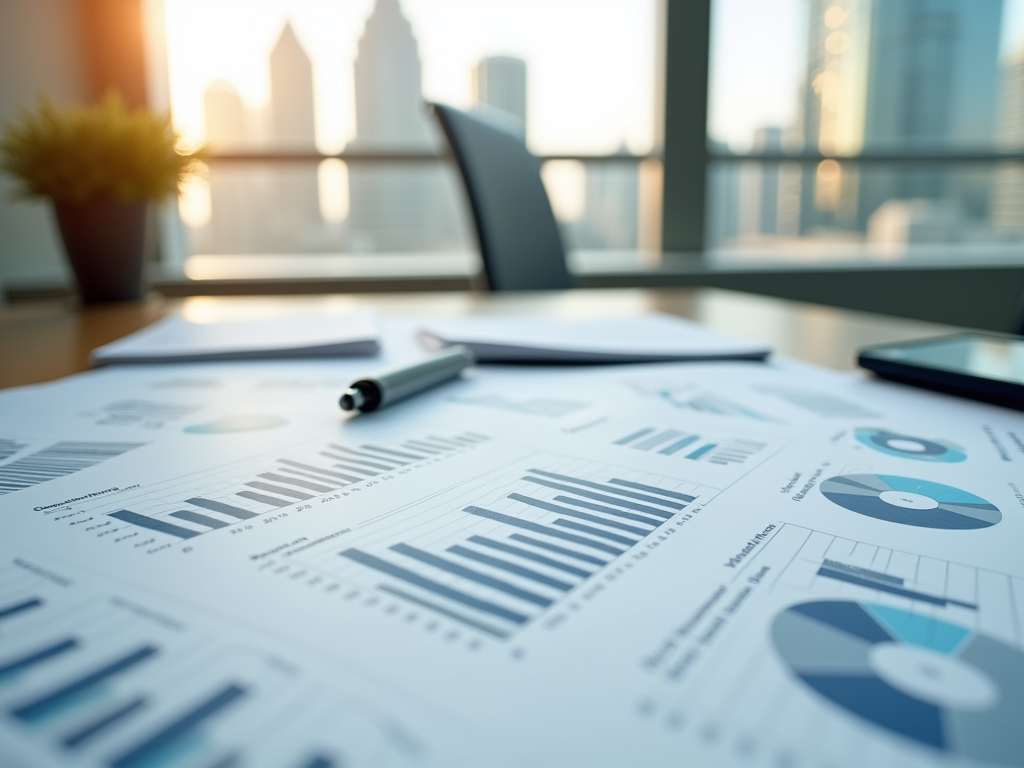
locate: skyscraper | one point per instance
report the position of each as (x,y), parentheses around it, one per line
(895,74)
(294,204)
(233,200)
(394,208)
(1008,186)
(499,82)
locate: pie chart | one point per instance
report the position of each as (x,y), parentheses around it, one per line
(908,447)
(936,683)
(910,502)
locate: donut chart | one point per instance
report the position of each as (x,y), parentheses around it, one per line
(909,447)
(908,501)
(933,682)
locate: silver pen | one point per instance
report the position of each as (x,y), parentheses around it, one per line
(390,385)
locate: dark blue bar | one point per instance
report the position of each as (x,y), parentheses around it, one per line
(606,489)
(430,585)
(677,446)
(471,575)
(610,511)
(454,615)
(881,586)
(543,529)
(12,610)
(225,509)
(95,728)
(126,516)
(270,500)
(651,489)
(141,754)
(505,565)
(39,707)
(540,504)
(595,532)
(701,451)
(865,572)
(38,657)
(528,555)
(560,550)
(634,436)
(602,497)
(198,519)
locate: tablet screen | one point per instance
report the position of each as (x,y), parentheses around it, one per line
(987,357)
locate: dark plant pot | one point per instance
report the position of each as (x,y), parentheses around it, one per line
(105,241)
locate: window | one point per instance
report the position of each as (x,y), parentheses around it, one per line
(886,131)
(323,147)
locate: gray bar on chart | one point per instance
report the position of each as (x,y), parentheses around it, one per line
(318,470)
(592,531)
(678,445)
(546,505)
(411,445)
(470,575)
(635,506)
(582,556)
(635,436)
(389,452)
(364,455)
(606,489)
(295,481)
(25,605)
(224,509)
(653,522)
(371,561)
(195,517)
(444,440)
(142,753)
(892,589)
(108,720)
(253,496)
(361,464)
(434,445)
(542,529)
(360,470)
(292,472)
(505,565)
(280,489)
(455,615)
(38,657)
(654,442)
(651,489)
(126,516)
(37,708)
(528,555)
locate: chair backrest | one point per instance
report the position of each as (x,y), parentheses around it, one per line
(519,238)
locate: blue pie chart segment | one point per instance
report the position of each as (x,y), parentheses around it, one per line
(910,447)
(933,682)
(909,501)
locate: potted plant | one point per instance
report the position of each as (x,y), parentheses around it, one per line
(101,166)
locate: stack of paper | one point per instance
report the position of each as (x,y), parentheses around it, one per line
(647,338)
(176,340)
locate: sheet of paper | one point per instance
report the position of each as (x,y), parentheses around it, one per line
(703,564)
(651,337)
(176,339)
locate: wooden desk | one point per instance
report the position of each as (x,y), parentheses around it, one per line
(46,340)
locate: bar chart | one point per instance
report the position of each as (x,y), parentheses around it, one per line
(494,554)
(189,507)
(97,679)
(691,446)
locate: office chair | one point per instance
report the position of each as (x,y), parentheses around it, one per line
(519,238)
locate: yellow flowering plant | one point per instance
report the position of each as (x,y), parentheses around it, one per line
(105,151)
